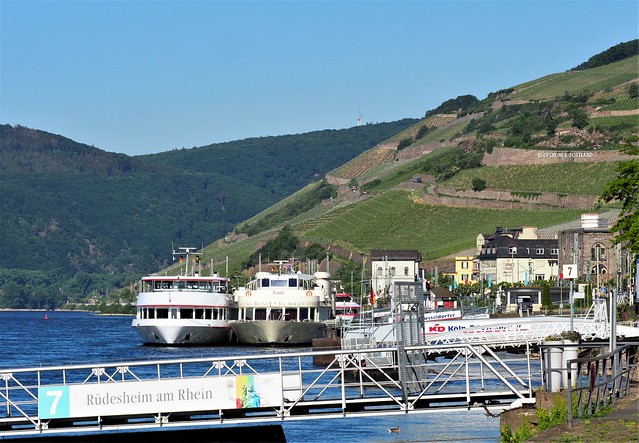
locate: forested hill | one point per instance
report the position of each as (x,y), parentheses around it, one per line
(611,55)
(82,220)
(30,150)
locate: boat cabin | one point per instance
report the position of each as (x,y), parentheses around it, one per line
(177,283)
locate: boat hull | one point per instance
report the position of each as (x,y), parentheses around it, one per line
(181,332)
(275,332)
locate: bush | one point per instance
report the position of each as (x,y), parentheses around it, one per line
(479,184)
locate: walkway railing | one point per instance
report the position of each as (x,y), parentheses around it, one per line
(261,388)
(600,380)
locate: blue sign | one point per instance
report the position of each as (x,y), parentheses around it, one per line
(54,402)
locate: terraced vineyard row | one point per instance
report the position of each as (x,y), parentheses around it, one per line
(579,178)
(365,162)
(595,79)
(623,105)
(439,120)
(393,221)
(613,120)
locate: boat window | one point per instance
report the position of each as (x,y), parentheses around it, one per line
(162,313)
(199,314)
(174,313)
(303,314)
(276,314)
(278,283)
(186,313)
(180,285)
(150,313)
(292,283)
(192,285)
(291,314)
(266,283)
(260,314)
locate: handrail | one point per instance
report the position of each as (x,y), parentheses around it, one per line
(607,376)
(355,381)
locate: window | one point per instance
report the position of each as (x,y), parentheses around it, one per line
(392,271)
(512,250)
(406,270)
(379,271)
(598,249)
(539,251)
(186,313)
(540,276)
(554,251)
(464,265)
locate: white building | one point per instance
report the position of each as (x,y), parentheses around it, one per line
(391,266)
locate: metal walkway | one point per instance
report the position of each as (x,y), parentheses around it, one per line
(495,333)
(254,389)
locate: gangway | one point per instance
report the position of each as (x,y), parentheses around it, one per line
(496,333)
(260,389)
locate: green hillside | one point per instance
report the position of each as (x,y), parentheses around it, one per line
(397,220)
(388,216)
(576,82)
(80,222)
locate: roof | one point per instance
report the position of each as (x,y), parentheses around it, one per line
(501,247)
(442,292)
(401,254)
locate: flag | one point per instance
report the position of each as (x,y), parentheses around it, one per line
(373,297)
(490,280)
(181,259)
(454,282)
(526,278)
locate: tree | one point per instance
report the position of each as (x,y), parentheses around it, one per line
(479,184)
(546,299)
(625,188)
(579,118)
(633,90)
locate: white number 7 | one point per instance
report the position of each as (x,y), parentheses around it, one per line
(54,404)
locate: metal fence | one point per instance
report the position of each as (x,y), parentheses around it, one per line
(350,382)
(600,380)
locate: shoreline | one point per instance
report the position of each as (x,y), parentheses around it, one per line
(85,311)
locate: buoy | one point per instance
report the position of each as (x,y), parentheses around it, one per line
(46,317)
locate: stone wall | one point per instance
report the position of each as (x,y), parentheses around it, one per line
(513,156)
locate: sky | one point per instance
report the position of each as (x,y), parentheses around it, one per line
(148,76)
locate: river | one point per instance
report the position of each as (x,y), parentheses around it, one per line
(37,338)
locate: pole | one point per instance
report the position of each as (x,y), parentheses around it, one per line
(575,245)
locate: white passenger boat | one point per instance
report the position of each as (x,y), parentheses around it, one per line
(188,309)
(282,307)
(345,307)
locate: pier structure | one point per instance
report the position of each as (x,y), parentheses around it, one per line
(253,390)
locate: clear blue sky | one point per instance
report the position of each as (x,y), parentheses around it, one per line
(148,76)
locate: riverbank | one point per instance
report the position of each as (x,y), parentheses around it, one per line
(620,425)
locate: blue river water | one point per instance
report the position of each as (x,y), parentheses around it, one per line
(30,340)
